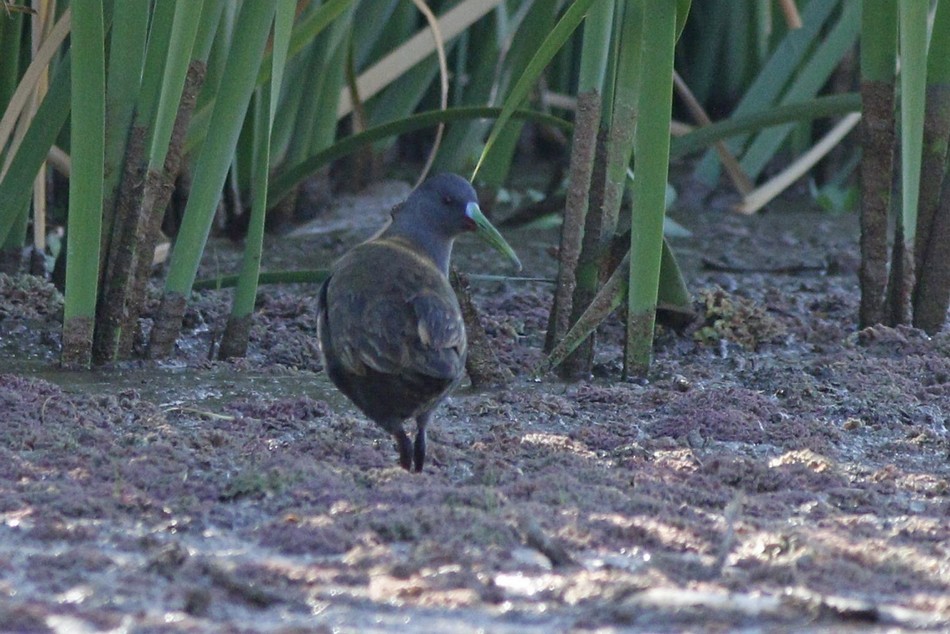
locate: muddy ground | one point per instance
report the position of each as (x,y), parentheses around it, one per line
(778,470)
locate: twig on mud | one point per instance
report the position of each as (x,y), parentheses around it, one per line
(787,269)
(43,409)
(730,514)
(244,590)
(537,539)
(482,364)
(194,410)
(791,604)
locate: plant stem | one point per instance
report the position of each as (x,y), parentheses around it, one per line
(652,149)
(250,36)
(85,185)
(878,53)
(235,339)
(913,50)
(593,66)
(932,291)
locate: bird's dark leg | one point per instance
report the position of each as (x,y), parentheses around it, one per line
(404,445)
(419,455)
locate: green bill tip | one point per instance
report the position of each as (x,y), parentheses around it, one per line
(487,232)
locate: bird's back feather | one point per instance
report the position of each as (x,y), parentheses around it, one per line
(391,330)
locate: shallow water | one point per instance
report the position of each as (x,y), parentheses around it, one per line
(174,385)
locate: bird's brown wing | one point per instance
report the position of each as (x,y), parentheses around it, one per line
(439,349)
(389,333)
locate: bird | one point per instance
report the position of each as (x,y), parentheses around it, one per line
(389,326)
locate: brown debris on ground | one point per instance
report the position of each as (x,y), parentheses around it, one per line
(802,482)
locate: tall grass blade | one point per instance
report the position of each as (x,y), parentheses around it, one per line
(932,290)
(144,192)
(477,63)
(304,33)
(396,63)
(912,19)
(773,77)
(913,45)
(124,77)
(817,108)
(284,182)
(608,299)
(240,76)
(552,43)
(594,56)
(181,42)
(811,77)
(314,114)
(159,35)
(618,122)
(85,186)
(403,96)
(878,67)
(538,20)
(16,186)
(235,339)
(27,84)
(11,38)
(652,149)
(767,191)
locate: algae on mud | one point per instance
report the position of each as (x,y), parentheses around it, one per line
(803,484)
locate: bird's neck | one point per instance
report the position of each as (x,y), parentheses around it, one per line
(436,248)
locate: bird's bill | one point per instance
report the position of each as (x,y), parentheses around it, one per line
(487,232)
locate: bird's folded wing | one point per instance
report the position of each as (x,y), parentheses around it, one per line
(424,335)
(439,350)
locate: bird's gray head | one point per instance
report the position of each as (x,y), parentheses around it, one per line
(442,205)
(441,209)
